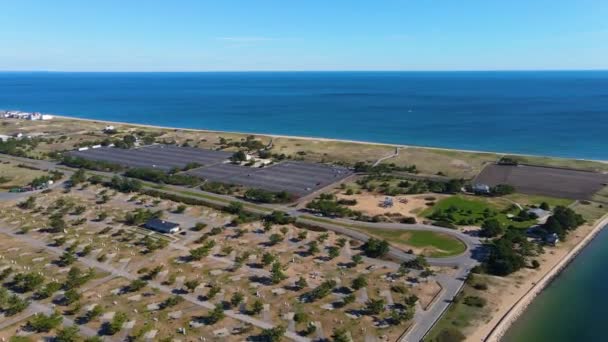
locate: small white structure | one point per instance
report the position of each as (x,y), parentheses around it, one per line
(109,129)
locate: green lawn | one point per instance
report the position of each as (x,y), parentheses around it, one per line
(537,200)
(469,210)
(442,245)
(439,245)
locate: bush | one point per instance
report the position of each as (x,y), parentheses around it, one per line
(475,301)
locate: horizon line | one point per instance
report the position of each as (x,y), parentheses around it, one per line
(299,71)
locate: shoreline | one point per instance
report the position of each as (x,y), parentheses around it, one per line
(309,138)
(519,308)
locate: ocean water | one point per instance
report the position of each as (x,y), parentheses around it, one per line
(575,306)
(548,113)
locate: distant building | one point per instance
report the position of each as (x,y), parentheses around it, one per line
(109,129)
(481,188)
(162,226)
(541,215)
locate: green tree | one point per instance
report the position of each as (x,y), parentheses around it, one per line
(273,334)
(340,335)
(192,284)
(43,323)
(359,282)
(490,228)
(216,315)
(375,248)
(236,299)
(276,273)
(257,307)
(68,334)
(375,306)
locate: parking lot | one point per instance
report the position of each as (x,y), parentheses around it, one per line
(536,180)
(298,178)
(163,157)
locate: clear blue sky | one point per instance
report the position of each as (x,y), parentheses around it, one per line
(193,35)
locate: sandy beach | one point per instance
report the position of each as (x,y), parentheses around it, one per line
(311,138)
(517,296)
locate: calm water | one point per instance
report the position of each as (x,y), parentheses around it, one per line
(549,113)
(575,306)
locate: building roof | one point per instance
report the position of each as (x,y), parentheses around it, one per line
(540,213)
(161,225)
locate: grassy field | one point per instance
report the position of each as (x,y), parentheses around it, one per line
(469,210)
(602,195)
(537,200)
(434,244)
(591,211)
(460,316)
(562,162)
(13,176)
(457,164)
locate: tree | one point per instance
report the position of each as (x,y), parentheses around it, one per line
(267,259)
(27,282)
(275,239)
(545,206)
(359,282)
(236,299)
(301,283)
(71,296)
(43,323)
(419,263)
(375,306)
(78,177)
(213,291)
(192,284)
(257,307)
(14,305)
(238,157)
(313,248)
(115,325)
(136,285)
(411,300)
(95,312)
(68,334)
(276,273)
(216,315)
(348,299)
(333,252)
(490,228)
(340,335)
(274,334)
(66,259)
(357,259)
(375,248)
(502,189)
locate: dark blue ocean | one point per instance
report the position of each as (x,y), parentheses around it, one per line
(562,113)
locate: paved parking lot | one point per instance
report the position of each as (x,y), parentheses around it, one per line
(298,178)
(164,157)
(536,180)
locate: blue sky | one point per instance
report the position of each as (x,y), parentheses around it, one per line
(190,35)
